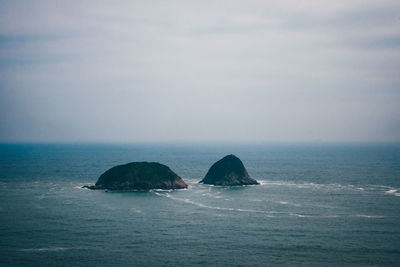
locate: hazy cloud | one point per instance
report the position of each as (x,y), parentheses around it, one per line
(199,71)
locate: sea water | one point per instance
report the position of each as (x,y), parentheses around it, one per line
(317,204)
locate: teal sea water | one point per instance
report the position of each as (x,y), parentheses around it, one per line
(317,204)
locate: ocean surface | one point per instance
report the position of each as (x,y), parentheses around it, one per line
(317,204)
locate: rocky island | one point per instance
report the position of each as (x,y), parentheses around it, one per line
(228,171)
(139,176)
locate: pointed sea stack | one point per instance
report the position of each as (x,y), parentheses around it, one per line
(228,171)
(139,176)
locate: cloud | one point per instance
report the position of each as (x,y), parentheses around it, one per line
(199,71)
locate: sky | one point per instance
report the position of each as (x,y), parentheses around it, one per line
(200,71)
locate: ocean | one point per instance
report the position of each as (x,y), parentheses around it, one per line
(317,204)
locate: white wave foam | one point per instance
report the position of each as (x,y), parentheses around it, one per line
(334,186)
(394,192)
(298,215)
(312,216)
(368,216)
(300,185)
(162,190)
(387,189)
(201,205)
(49,249)
(136,210)
(80,186)
(380,186)
(260,211)
(212,195)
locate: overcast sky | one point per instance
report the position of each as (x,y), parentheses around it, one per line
(167,71)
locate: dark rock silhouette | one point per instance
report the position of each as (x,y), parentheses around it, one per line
(228,171)
(139,176)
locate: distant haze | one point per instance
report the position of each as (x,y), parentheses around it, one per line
(167,71)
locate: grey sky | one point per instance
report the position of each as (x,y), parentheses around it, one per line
(131,71)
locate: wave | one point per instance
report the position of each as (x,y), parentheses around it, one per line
(136,210)
(80,186)
(299,215)
(310,185)
(201,205)
(394,192)
(334,186)
(162,190)
(270,214)
(368,216)
(216,195)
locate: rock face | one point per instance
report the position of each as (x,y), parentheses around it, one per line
(228,171)
(139,176)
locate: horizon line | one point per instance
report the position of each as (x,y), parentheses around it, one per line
(189,142)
